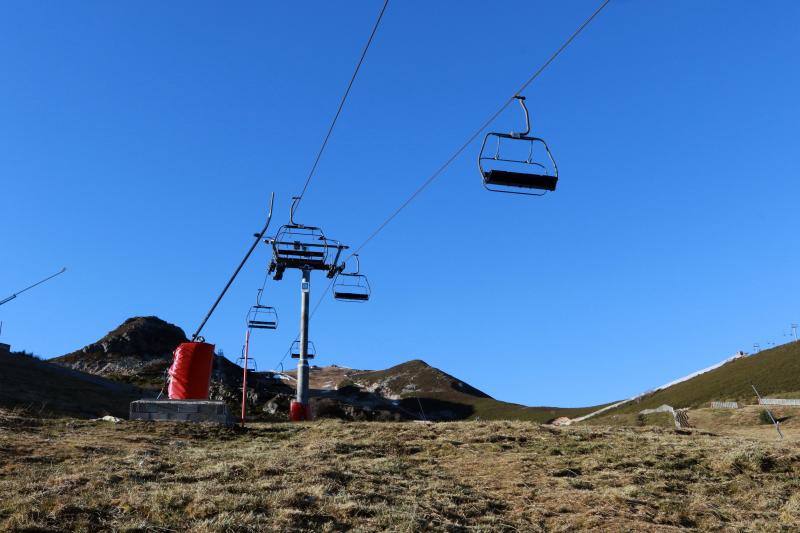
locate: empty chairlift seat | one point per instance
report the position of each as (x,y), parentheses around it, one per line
(262,316)
(520,179)
(352,286)
(310,354)
(516,162)
(250,362)
(350,295)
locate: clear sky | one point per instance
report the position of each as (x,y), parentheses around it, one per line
(139,142)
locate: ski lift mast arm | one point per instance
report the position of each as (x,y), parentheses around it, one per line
(9,298)
(258,237)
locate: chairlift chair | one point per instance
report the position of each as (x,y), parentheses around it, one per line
(262,316)
(251,363)
(510,175)
(310,354)
(304,247)
(352,286)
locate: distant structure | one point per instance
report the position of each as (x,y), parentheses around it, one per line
(779,401)
(724,405)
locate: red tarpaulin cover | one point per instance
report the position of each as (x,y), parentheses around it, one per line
(298,412)
(190,373)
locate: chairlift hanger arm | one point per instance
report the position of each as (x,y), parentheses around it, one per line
(258,237)
(13,296)
(516,135)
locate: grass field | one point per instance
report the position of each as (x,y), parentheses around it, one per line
(333,476)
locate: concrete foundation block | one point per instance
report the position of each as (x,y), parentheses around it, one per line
(209,411)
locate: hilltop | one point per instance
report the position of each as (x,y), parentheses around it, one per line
(435,394)
(417,390)
(138,352)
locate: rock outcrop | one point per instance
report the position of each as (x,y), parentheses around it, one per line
(138,351)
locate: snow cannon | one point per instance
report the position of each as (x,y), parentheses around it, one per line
(190,372)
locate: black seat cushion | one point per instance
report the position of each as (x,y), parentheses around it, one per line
(350,295)
(520,179)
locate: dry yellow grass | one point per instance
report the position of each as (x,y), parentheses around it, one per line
(333,476)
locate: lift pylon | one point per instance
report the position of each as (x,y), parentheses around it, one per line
(304,248)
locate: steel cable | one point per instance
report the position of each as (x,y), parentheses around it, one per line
(341,104)
(460,149)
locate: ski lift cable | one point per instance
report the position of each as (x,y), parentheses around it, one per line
(459,151)
(342,102)
(482,127)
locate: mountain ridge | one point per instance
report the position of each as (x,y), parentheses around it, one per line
(139,351)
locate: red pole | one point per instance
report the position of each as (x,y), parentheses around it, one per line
(244,374)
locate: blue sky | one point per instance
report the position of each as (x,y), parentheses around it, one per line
(139,143)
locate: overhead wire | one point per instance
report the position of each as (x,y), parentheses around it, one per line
(482,127)
(462,147)
(341,103)
(328,136)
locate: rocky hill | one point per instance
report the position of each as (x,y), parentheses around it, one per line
(138,351)
(417,390)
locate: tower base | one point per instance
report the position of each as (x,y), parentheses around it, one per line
(209,411)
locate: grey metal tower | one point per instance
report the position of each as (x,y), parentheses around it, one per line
(305,248)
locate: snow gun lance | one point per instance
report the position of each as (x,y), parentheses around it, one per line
(258,237)
(9,298)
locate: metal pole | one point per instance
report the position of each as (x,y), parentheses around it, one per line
(9,298)
(302,364)
(258,237)
(794,331)
(244,374)
(777,424)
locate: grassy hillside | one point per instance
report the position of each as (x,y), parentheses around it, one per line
(775,372)
(491,409)
(430,392)
(33,385)
(333,476)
